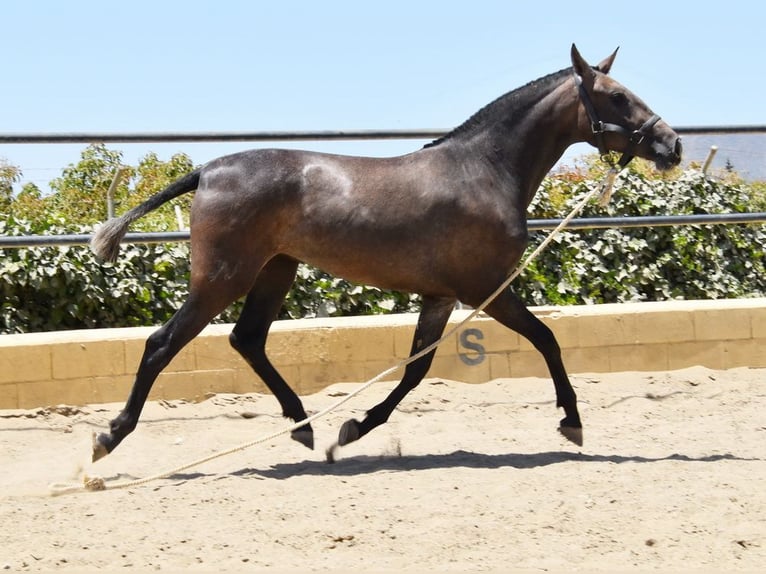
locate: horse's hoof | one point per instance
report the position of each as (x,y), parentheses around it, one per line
(573,434)
(99,449)
(331,453)
(305,436)
(349,432)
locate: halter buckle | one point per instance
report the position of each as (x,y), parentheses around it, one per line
(597,126)
(636,137)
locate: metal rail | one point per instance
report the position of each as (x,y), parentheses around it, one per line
(267,136)
(237,136)
(650,221)
(583,223)
(337,135)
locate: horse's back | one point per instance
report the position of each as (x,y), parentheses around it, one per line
(322,189)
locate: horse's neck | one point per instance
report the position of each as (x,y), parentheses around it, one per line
(531,146)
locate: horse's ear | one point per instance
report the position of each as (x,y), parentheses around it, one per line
(581,67)
(606,64)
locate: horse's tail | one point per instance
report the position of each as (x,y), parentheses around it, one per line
(105,243)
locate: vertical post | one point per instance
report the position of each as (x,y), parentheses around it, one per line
(709,159)
(179,218)
(110,192)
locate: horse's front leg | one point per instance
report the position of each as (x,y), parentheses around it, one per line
(509,310)
(431,322)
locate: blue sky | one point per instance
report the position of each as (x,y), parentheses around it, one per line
(227,65)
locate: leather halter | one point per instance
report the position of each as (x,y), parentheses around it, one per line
(599,128)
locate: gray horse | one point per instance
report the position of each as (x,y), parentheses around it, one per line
(447,222)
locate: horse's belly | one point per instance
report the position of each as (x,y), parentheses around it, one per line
(441,265)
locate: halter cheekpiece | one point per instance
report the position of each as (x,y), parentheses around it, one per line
(598,127)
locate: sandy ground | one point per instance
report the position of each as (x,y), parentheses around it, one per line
(464,477)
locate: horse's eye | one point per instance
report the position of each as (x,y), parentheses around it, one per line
(619,99)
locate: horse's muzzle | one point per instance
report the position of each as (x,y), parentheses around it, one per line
(677,151)
(667,154)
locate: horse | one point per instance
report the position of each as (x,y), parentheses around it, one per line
(446,222)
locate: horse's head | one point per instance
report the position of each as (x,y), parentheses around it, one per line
(612,118)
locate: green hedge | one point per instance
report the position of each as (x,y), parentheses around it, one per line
(652,263)
(58,288)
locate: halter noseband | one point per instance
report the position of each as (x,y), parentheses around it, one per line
(598,127)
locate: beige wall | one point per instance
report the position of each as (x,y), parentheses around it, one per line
(96,366)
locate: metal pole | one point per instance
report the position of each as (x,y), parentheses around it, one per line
(192,137)
(584,223)
(110,192)
(270,136)
(709,159)
(179,218)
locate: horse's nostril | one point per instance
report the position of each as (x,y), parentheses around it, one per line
(678,147)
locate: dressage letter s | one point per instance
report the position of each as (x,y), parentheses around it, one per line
(472,346)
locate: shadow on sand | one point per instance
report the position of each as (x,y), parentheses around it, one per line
(359,465)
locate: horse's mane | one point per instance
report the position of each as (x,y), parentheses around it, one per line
(513,103)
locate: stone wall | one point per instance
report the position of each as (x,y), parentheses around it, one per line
(97,366)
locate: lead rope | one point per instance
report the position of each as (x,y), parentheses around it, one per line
(97,483)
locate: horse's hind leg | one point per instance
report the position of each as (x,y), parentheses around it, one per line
(431,322)
(249,337)
(210,292)
(161,346)
(509,310)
